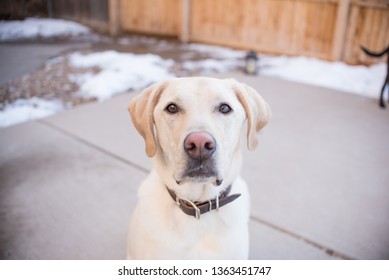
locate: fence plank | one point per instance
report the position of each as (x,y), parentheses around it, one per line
(340,30)
(161,17)
(185,21)
(114,17)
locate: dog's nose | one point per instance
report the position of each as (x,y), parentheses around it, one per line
(199,145)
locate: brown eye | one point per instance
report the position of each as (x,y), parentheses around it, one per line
(172,108)
(225,108)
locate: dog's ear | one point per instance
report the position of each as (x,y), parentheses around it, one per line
(258,112)
(141,109)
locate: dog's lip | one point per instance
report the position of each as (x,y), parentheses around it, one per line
(200,177)
(217,182)
(200,168)
(200,173)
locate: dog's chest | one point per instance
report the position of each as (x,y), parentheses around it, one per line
(211,237)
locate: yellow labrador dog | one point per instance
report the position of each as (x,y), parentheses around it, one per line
(194,204)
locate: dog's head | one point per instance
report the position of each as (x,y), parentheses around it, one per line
(192,126)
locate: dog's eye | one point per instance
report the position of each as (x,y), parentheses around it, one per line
(172,108)
(225,108)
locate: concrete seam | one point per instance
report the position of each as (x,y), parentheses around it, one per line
(79,139)
(323,248)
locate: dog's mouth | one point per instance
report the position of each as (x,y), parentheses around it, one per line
(200,173)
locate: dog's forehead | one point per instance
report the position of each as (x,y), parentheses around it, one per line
(198,88)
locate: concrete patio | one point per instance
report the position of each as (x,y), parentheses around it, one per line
(319,181)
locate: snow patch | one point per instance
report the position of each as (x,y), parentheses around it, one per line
(119,72)
(32,28)
(361,80)
(210,65)
(24,110)
(216,51)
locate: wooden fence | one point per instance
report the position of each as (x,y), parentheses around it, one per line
(281,26)
(327,29)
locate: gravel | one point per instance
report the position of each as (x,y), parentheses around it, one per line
(50,82)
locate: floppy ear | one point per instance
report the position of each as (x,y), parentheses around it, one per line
(141,109)
(258,112)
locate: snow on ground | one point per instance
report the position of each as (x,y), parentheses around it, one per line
(361,80)
(119,72)
(210,65)
(32,28)
(216,51)
(29,109)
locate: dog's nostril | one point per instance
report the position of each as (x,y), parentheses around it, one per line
(209,145)
(190,146)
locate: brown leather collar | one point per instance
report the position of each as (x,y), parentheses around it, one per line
(195,209)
